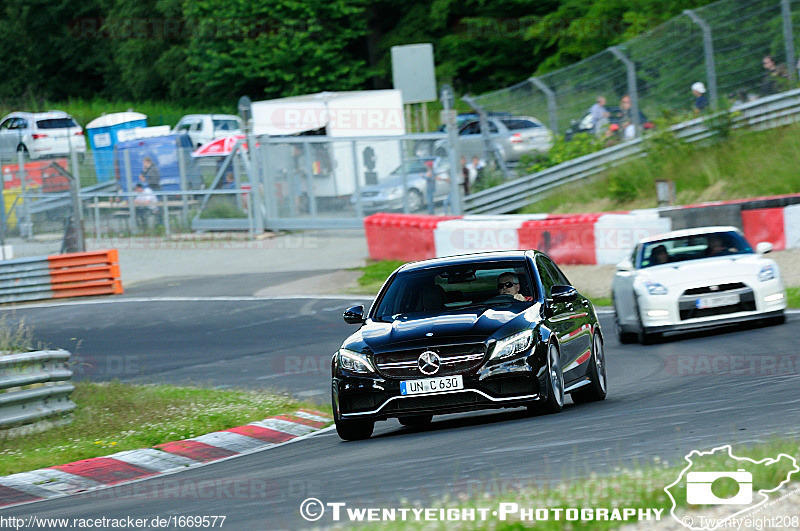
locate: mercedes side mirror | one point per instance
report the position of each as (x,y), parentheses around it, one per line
(763,247)
(354,315)
(563,294)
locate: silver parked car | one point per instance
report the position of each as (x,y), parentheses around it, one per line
(387,195)
(40,134)
(511,137)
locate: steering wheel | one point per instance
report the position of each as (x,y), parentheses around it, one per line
(503,297)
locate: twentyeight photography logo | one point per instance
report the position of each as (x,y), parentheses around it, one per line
(718,487)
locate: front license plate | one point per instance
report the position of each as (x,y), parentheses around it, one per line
(716,302)
(431,385)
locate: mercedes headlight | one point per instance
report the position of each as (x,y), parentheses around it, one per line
(654,288)
(512,345)
(394,191)
(353,361)
(767,273)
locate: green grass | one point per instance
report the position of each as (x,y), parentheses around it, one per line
(747,164)
(112,417)
(374,274)
(793,297)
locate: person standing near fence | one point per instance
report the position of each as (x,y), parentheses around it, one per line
(599,115)
(700,99)
(776,78)
(150,174)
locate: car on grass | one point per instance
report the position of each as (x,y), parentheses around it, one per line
(692,279)
(40,135)
(387,194)
(490,330)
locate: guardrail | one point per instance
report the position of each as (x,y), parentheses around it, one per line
(60,276)
(34,387)
(764,113)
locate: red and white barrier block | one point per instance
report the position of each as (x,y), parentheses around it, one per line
(568,239)
(133,465)
(780,226)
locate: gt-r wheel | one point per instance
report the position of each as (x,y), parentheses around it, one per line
(420,420)
(644,337)
(625,338)
(554,382)
(351,430)
(596,390)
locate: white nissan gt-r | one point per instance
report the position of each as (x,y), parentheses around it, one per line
(695,278)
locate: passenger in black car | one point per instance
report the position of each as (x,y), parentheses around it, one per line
(508,284)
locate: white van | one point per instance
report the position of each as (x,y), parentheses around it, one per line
(203,128)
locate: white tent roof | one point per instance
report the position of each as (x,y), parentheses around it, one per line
(115,118)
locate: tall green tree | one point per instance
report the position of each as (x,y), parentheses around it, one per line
(51,51)
(272,48)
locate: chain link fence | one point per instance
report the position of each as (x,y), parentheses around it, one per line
(721,45)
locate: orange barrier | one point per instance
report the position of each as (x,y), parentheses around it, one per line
(85,274)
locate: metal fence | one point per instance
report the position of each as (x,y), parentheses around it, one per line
(721,45)
(764,113)
(35,387)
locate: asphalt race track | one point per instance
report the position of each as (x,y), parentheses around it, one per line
(697,391)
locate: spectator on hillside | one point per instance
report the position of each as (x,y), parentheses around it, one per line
(599,115)
(776,78)
(700,99)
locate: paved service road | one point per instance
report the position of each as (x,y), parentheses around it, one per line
(691,392)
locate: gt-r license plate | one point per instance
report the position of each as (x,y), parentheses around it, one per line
(717,301)
(431,385)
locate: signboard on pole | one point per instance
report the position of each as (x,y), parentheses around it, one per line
(413,72)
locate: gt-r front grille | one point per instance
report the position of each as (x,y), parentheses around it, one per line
(706,302)
(717,288)
(454,359)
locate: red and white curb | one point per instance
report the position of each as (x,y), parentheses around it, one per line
(167,458)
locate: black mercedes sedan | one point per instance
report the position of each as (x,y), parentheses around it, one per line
(489,330)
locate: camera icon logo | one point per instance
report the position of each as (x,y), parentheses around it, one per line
(698,488)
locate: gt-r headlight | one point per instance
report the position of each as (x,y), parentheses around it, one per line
(512,345)
(354,361)
(654,288)
(767,273)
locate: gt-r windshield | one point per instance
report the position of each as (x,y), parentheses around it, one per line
(420,293)
(693,248)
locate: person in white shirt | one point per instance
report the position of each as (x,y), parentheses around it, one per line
(146,203)
(599,115)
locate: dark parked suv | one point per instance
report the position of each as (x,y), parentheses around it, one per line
(489,330)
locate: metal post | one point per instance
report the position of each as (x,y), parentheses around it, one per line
(312,198)
(447,98)
(129,184)
(26,225)
(708,47)
(551,102)
(96,218)
(166,216)
(633,91)
(788,39)
(405,181)
(184,187)
(359,210)
(246,112)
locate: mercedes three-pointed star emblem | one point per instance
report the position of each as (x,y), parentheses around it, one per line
(429,362)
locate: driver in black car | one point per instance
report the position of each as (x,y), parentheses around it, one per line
(508,284)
